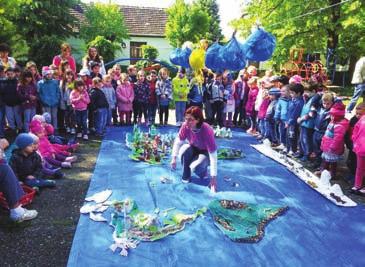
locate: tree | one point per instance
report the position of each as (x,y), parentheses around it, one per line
(186,23)
(149,52)
(316,25)
(105,47)
(103,20)
(211,7)
(9,12)
(44,25)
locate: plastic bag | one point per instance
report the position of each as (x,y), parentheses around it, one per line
(212,58)
(233,57)
(259,46)
(180,57)
(197,59)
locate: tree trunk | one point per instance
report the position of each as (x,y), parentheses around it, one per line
(333,32)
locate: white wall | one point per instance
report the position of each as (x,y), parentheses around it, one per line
(160,43)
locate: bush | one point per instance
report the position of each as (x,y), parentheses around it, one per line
(149,52)
(105,47)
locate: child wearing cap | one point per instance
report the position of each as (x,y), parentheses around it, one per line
(270,126)
(280,116)
(49,94)
(27,164)
(332,145)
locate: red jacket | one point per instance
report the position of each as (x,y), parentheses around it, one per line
(334,138)
(358,137)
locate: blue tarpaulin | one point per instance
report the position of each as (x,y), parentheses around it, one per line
(313,232)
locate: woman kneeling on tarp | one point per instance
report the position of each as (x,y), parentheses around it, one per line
(201,150)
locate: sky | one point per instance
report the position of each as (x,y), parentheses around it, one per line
(228,9)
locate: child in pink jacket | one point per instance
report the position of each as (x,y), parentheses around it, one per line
(250,104)
(358,138)
(47,150)
(79,98)
(125,97)
(333,140)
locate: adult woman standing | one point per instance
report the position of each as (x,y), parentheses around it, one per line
(5,60)
(201,150)
(65,56)
(93,55)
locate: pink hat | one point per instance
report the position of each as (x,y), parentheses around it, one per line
(46,70)
(296,79)
(338,109)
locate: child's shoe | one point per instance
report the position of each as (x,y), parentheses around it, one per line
(66,165)
(21,214)
(68,130)
(71,159)
(249,131)
(73,131)
(79,135)
(85,137)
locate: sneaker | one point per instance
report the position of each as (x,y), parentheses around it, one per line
(185,181)
(24,215)
(73,131)
(79,135)
(290,153)
(280,147)
(71,159)
(66,165)
(85,137)
(68,130)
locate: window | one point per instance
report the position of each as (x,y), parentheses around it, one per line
(136,50)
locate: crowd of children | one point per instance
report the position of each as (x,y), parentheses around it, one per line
(297,117)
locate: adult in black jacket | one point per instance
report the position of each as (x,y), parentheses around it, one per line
(99,105)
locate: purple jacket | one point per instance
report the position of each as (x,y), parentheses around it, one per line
(25,92)
(141,92)
(250,105)
(333,140)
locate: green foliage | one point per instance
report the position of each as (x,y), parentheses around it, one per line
(149,52)
(44,48)
(103,20)
(338,27)
(105,47)
(34,29)
(211,7)
(186,23)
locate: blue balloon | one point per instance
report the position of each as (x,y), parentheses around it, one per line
(259,46)
(180,57)
(213,60)
(233,56)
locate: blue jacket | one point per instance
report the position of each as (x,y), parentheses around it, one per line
(281,110)
(322,120)
(294,108)
(270,112)
(309,109)
(196,94)
(49,93)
